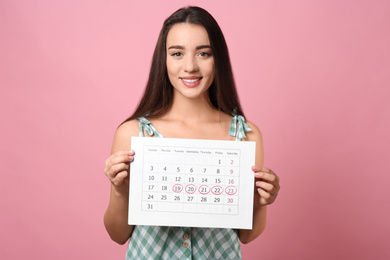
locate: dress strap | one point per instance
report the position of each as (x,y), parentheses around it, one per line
(149,128)
(239,132)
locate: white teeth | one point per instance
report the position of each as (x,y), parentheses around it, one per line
(190,80)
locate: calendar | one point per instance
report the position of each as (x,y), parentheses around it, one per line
(191,182)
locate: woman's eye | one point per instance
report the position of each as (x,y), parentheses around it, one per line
(204,54)
(176,54)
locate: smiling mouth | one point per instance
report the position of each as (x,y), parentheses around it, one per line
(191,80)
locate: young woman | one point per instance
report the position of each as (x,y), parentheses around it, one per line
(190,94)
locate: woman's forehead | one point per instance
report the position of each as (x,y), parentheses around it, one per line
(187,35)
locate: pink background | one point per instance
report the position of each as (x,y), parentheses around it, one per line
(313,75)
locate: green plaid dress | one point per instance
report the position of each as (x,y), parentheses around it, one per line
(155,242)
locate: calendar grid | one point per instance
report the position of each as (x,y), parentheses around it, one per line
(194,180)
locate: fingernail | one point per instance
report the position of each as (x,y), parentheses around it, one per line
(131,158)
(131,152)
(257,174)
(257,183)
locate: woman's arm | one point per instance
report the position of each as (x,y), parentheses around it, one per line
(117,171)
(266,189)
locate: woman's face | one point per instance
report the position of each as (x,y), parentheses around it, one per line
(190,62)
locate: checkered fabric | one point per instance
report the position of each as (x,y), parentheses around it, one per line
(239,132)
(149,128)
(155,242)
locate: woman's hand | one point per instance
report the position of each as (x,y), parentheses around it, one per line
(117,169)
(266,185)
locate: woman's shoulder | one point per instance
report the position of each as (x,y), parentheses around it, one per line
(128,128)
(122,138)
(255,134)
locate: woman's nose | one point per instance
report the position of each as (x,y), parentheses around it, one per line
(190,64)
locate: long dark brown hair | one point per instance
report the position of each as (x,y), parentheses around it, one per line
(158,96)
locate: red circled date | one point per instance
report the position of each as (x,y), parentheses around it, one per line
(204,189)
(177,188)
(217,190)
(231,190)
(190,188)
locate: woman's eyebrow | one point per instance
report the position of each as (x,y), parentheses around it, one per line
(176,47)
(203,47)
(179,47)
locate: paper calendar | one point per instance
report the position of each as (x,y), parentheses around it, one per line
(191,182)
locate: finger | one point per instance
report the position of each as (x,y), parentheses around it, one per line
(121,159)
(116,169)
(261,169)
(273,173)
(256,168)
(123,152)
(265,186)
(119,178)
(263,202)
(123,155)
(264,194)
(269,177)
(265,197)
(276,181)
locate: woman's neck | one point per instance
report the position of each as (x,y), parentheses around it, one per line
(192,110)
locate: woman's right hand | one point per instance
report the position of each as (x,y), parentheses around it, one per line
(117,170)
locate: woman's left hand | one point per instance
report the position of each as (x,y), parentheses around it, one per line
(266,185)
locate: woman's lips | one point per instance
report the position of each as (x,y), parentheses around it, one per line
(191,82)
